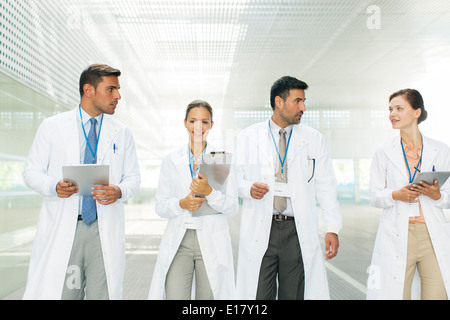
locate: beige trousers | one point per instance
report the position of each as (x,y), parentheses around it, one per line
(421,254)
(188,260)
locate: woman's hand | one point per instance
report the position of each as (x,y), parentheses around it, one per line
(191,202)
(431,191)
(200,185)
(406,194)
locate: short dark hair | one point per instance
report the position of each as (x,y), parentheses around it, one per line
(93,75)
(282,86)
(415,99)
(198,103)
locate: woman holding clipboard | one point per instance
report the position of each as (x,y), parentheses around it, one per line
(193,245)
(411,257)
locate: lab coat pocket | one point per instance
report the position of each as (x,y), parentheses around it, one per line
(116,163)
(308,167)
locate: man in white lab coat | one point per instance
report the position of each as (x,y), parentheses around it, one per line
(280,175)
(79,248)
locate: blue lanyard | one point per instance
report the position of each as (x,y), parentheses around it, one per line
(85,136)
(191,161)
(278,152)
(407,165)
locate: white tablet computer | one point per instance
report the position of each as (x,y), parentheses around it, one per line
(429,177)
(86,176)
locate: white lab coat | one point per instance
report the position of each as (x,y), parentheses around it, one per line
(213,236)
(255,163)
(388,173)
(56,144)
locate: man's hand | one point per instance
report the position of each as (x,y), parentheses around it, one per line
(258,190)
(331,245)
(106,194)
(65,189)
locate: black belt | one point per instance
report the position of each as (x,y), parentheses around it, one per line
(280,217)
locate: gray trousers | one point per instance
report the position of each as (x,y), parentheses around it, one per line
(181,272)
(86,277)
(283,262)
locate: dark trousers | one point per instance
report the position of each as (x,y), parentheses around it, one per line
(283,259)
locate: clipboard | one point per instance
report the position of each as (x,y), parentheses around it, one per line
(216,167)
(429,177)
(86,176)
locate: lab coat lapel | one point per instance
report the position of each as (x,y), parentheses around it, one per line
(394,153)
(181,161)
(430,151)
(297,143)
(264,144)
(72,144)
(107,134)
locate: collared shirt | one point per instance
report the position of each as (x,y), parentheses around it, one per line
(87,127)
(276,134)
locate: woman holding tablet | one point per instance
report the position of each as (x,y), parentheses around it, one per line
(193,245)
(411,257)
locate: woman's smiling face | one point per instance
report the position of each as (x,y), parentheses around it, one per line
(198,123)
(402,114)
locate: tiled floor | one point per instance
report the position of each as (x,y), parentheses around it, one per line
(346,273)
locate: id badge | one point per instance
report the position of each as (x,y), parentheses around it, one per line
(281,190)
(191,222)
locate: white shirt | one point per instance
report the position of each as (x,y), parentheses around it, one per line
(87,127)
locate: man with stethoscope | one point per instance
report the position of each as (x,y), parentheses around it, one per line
(282,166)
(79,248)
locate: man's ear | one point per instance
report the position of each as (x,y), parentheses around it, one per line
(89,90)
(278,101)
